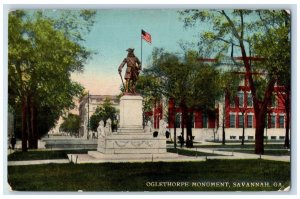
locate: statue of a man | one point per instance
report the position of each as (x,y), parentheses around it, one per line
(132,71)
(108,127)
(162,127)
(148,127)
(100,129)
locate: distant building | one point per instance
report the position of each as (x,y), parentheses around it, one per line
(234,113)
(87,107)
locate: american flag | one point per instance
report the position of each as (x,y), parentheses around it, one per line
(146,36)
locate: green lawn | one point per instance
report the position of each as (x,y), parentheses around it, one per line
(147,176)
(43,155)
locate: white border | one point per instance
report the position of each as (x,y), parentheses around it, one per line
(138,4)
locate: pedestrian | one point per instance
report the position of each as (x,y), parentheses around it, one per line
(13,142)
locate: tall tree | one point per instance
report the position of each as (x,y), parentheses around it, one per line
(176,74)
(149,87)
(275,48)
(234,29)
(42,56)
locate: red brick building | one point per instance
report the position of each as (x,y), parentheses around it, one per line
(239,110)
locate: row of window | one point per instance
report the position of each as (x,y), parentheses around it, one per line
(240,101)
(240,98)
(204,121)
(252,137)
(249,122)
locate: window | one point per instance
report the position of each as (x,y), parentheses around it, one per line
(232,137)
(281,137)
(250,121)
(249,100)
(273,121)
(241,99)
(273,137)
(241,121)
(232,121)
(204,120)
(240,137)
(250,138)
(281,121)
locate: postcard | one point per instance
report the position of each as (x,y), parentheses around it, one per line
(149,100)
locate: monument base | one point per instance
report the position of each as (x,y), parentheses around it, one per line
(131,142)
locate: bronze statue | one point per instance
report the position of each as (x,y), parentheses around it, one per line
(132,71)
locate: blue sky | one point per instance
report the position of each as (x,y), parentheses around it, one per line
(116,30)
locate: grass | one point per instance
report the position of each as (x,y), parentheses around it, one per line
(147,176)
(43,155)
(189,152)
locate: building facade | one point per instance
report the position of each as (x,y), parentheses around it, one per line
(87,107)
(234,112)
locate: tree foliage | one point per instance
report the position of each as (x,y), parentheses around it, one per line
(186,81)
(71,124)
(42,55)
(104,112)
(235,32)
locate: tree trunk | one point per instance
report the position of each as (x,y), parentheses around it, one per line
(259,133)
(287,123)
(175,136)
(189,135)
(29,123)
(183,119)
(243,136)
(223,133)
(33,111)
(24,125)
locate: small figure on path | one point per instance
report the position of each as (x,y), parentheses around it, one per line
(132,71)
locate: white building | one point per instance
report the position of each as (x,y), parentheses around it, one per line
(87,107)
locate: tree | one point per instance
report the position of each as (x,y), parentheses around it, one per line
(176,74)
(162,68)
(235,29)
(71,124)
(104,112)
(275,48)
(150,89)
(42,55)
(228,83)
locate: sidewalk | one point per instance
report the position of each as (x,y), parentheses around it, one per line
(85,158)
(35,162)
(237,155)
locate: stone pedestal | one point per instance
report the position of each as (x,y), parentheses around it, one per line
(131,114)
(131,142)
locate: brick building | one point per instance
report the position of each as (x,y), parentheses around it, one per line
(233,111)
